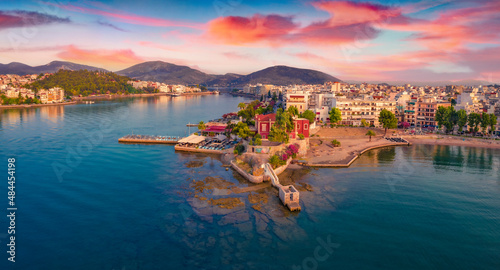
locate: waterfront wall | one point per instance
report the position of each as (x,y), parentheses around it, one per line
(197,150)
(36,105)
(261,178)
(271,150)
(122,140)
(249,177)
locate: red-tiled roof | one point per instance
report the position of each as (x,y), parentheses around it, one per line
(218,127)
(266,117)
(215,129)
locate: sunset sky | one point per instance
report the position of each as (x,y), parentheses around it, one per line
(352,40)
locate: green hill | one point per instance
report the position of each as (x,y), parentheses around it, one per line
(84,82)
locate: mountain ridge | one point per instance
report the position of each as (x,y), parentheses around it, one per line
(52,67)
(177,74)
(171,73)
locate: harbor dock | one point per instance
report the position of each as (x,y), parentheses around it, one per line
(148,139)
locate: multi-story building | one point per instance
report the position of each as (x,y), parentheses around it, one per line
(264,123)
(410,115)
(298,99)
(52,95)
(15,92)
(354,110)
(422,112)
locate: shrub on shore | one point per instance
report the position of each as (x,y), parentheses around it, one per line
(335,143)
(238,149)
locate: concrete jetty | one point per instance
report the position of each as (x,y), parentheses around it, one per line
(289,195)
(147,139)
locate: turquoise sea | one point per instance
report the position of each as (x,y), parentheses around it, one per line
(87,202)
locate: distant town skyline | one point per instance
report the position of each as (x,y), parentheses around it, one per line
(352,40)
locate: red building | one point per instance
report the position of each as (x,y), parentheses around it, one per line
(213,130)
(264,123)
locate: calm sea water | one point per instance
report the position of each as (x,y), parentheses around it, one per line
(86,202)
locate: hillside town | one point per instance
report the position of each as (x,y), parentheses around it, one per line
(165,88)
(360,104)
(13,89)
(413,106)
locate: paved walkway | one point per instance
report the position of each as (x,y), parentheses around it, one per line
(323,154)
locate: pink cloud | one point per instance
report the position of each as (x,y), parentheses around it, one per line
(454,29)
(349,13)
(348,22)
(112,59)
(236,30)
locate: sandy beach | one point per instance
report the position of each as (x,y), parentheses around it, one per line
(354,142)
(453,140)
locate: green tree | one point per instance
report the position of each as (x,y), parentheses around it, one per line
(229,127)
(485,122)
(462,119)
(474,120)
(260,110)
(447,117)
(248,112)
(309,115)
(241,105)
(335,115)
(453,119)
(364,123)
(493,122)
(238,149)
(284,120)
(441,116)
(370,133)
(201,126)
(277,134)
(388,120)
(274,161)
(241,129)
(283,125)
(293,110)
(269,94)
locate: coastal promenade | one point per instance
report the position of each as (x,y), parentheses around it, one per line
(23,106)
(453,140)
(323,154)
(115,96)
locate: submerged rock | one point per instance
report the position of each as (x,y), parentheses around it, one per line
(227,203)
(194,164)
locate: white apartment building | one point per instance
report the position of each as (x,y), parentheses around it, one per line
(354,110)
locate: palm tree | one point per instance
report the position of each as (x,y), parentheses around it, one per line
(201,126)
(242,105)
(370,133)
